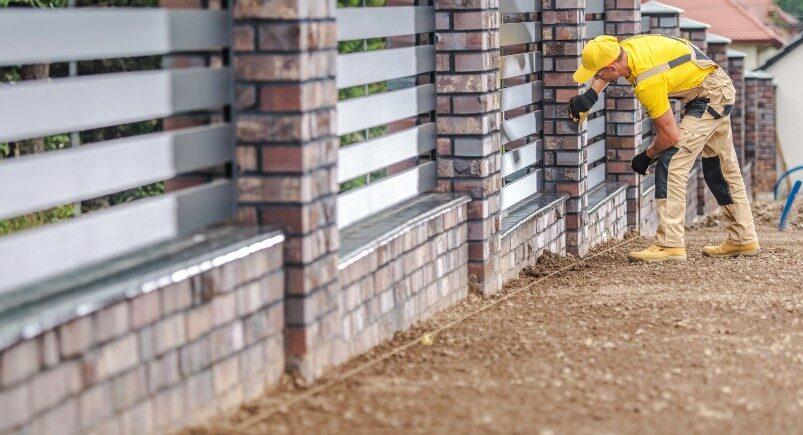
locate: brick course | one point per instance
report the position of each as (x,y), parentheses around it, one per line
(127,375)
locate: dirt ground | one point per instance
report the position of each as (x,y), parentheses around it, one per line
(609,346)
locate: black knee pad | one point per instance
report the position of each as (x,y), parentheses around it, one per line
(662,172)
(715,179)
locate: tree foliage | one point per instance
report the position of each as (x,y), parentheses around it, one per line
(794,7)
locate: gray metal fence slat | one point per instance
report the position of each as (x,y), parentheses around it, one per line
(596,151)
(522,95)
(44,252)
(375,66)
(61,177)
(377,22)
(595,6)
(522,157)
(522,188)
(596,126)
(362,158)
(55,35)
(521,126)
(40,108)
(519,33)
(364,112)
(594,29)
(515,65)
(519,6)
(363,202)
(596,176)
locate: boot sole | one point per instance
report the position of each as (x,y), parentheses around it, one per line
(734,254)
(659,260)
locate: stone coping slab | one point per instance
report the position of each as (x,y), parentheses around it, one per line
(360,238)
(34,309)
(528,209)
(602,193)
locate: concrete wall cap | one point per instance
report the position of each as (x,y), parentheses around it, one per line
(713,38)
(736,53)
(653,7)
(688,23)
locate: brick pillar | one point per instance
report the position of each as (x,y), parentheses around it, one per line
(736,73)
(717,47)
(469,160)
(695,32)
(658,18)
(563,29)
(750,115)
(623,111)
(287,156)
(764,166)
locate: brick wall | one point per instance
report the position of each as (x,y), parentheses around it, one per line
(736,73)
(607,219)
(404,278)
(751,94)
(764,165)
(287,153)
(154,360)
(468,81)
(539,231)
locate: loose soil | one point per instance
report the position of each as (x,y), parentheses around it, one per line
(608,346)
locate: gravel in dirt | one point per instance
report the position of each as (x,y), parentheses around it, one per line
(608,346)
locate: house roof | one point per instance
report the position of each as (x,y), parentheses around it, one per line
(729,19)
(785,50)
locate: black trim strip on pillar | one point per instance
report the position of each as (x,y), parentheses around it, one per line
(662,172)
(715,179)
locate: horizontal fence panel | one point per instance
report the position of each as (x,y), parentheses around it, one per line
(596,176)
(515,65)
(362,158)
(53,35)
(364,112)
(375,66)
(595,6)
(596,126)
(596,151)
(522,95)
(519,6)
(47,251)
(522,157)
(61,177)
(378,22)
(521,189)
(363,202)
(594,29)
(519,33)
(521,126)
(40,108)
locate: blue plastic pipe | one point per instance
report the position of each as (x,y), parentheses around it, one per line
(787,208)
(786,174)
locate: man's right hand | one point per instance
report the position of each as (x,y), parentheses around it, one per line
(582,104)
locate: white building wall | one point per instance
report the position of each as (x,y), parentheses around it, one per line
(789,114)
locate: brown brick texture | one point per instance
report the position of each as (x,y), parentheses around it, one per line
(624,112)
(736,73)
(287,157)
(564,140)
(468,120)
(155,361)
(764,166)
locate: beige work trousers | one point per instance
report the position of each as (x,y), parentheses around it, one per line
(704,132)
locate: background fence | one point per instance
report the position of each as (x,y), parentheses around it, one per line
(33,109)
(386,108)
(595,26)
(521,96)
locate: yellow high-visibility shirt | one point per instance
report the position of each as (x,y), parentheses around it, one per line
(648,51)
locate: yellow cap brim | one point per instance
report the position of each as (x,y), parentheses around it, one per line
(583,74)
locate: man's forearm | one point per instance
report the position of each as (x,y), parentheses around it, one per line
(661,143)
(599,85)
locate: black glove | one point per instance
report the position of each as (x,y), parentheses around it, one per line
(582,103)
(641,162)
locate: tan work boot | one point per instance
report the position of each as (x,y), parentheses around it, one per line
(657,253)
(727,250)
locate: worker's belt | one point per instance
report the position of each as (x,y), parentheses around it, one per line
(695,55)
(698,106)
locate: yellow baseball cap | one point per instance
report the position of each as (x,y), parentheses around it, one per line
(597,54)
